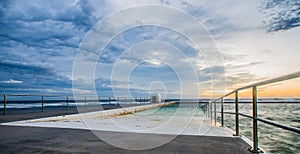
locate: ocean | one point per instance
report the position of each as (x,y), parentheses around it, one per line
(20,107)
(271,139)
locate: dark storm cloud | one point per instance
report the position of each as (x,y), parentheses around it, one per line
(38,41)
(45,24)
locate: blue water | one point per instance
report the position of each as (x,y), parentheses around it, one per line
(182,109)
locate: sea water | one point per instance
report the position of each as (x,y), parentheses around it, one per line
(271,138)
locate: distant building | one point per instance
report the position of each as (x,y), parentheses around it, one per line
(156,98)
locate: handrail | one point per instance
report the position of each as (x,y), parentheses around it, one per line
(254,116)
(51,95)
(270,122)
(66,99)
(290,128)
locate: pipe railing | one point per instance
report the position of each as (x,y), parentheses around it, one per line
(254,117)
(66,100)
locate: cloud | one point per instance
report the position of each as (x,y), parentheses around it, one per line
(12,81)
(50,32)
(44,33)
(281,15)
(31,77)
(44,24)
(154,62)
(238,74)
(39,40)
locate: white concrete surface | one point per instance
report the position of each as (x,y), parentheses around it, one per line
(127,120)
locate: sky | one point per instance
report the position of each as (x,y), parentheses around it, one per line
(178,48)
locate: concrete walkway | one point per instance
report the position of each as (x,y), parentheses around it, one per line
(16,139)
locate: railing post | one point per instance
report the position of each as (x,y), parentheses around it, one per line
(67,98)
(84,100)
(109,100)
(99,100)
(207,114)
(4,104)
(215,114)
(42,103)
(237,131)
(205,109)
(208,109)
(222,112)
(118,101)
(210,104)
(255,148)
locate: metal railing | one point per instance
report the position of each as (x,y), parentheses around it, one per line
(67,100)
(254,116)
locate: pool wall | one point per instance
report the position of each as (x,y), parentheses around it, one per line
(97,114)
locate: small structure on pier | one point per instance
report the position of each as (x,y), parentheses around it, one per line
(156,98)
